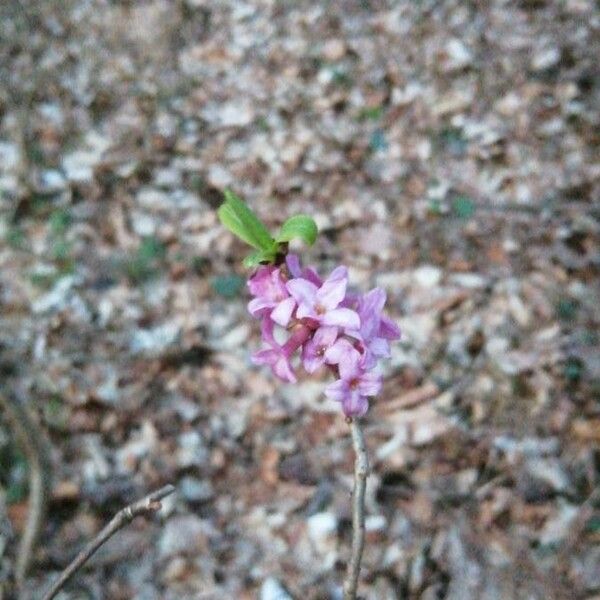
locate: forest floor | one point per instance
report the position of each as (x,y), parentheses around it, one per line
(450,153)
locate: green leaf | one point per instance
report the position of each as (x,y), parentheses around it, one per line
(260,257)
(299,227)
(241,221)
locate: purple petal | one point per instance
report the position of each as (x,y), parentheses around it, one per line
(374,300)
(388,329)
(380,347)
(306,311)
(333,290)
(283,312)
(368,360)
(350,301)
(265,357)
(257,306)
(267,283)
(267,326)
(355,405)
(303,291)
(311,275)
(370,384)
(283,369)
(341,317)
(343,354)
(293,264)
(260,280)
(279,363)
(312,362)
(325,336)
(338,390)
(370,306)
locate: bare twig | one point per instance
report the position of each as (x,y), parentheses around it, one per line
(361,471)
(145,506)
(31,440)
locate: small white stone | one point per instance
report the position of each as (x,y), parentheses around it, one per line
(459,56)
(322,529)
(557,528)
(375,523)
(192,451)
(155,340)
(219,177)
(428,276)
(545,58)
(52,181)
(271,589)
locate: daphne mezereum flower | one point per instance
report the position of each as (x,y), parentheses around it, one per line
(309,273)
(313,352)
(375,330)
(355,385)
(321,304)
(271,296)
(278,357)
(329,326)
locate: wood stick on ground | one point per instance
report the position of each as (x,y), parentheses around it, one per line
(361,472)
(145,506)
(32,442)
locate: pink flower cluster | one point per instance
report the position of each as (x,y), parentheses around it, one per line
(329,326)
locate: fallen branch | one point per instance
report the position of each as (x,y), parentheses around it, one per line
(31,441)
(145,506)
(361,471)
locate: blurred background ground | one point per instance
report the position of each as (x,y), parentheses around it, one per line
(450,154)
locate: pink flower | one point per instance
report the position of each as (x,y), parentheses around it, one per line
(315,349)
(279,362)
(293,264)
(320,303)
(375,329)
(354,386)
(279,357)
(343,354)
(271,296)
(327,324)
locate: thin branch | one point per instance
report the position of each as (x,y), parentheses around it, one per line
(31,440)
(361,472)
(145,506)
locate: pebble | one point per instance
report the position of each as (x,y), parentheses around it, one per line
(271,589)
(229,114)
(468,280)
(232,339)
(156,340)
(529,446)
(322,531)
(183,534)
(143,442)
(545,58)
(548,471)
(51,182)
(191,452)
(333,49)
(57,298)
(558,526)
(195,490)
(458,55)
(428,276)
(152,198)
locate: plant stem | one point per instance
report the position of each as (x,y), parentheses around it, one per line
(361,471)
